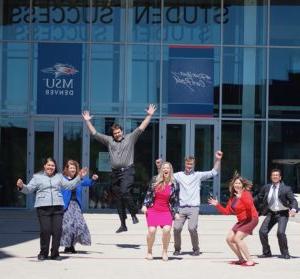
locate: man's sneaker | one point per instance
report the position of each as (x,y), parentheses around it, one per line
(121,229)
(196,253)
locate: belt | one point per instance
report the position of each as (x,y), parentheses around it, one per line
(181,206)
(122,169)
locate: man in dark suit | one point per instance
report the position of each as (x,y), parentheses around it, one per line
(277,202)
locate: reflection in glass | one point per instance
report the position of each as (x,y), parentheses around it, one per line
(285,22)
(283,152)
(284,83)
(13,158)
(192,22)
(204,155)
(14,67)
(175,145)
(108,20)
(43,142)
(143,82)
(245,22)
(60,20)
(72,141)
(145,19)
(244,82)
(107,79)
(243,144)
(14,19)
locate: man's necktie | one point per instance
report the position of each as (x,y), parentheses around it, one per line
(273,197)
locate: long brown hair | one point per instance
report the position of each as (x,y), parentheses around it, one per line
(247,184)
(69,163)
(159,181)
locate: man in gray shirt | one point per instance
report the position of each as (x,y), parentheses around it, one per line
(121,152)
(189,200)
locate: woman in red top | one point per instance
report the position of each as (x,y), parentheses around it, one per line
(241,204)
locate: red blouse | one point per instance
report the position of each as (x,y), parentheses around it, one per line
(244,208)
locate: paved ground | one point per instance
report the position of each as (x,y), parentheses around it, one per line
(115,256)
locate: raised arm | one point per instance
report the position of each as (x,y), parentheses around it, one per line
(87,118)
(218,158)
(150,111)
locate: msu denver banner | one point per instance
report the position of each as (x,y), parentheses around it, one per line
(190,85)
(59,78)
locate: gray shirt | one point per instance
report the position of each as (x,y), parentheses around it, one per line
(190,184)
(121,153)
(48,188)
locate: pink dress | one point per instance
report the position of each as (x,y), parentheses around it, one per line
(159,214)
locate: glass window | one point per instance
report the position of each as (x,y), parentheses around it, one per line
(108,20)
(191,81)
(283,151)
(245,22)
(14,19)
(14,77)
(284,83)
(63,20)
(243,144)
(143,80)
(107,79)
(58,82)
(285,22)
(192,21)
(244,82)
(13,160)
(145,19)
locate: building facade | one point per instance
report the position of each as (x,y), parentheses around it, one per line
(243,96)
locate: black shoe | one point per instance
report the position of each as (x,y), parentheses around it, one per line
(121,229)
(268,255)
(196,253)
(73,251)
(135,220)
(68,250)
(176,253)
(41,257)
(56,258)
(285,256)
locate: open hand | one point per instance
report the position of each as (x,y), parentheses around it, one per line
(151,109)
(83,172)
(213,201)
(86,115)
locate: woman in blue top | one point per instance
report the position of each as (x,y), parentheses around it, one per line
(75,229)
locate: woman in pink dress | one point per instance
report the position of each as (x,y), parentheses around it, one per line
(161,207)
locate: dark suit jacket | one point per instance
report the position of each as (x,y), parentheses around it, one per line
(285,195)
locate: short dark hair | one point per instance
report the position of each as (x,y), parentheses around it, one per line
(115,126)
(189,158)
(276,170)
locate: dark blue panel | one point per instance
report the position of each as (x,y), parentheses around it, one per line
(59,78)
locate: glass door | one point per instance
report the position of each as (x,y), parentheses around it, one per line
(60,138)
(199,138)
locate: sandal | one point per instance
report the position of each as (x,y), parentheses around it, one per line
(238,262)
(248,264)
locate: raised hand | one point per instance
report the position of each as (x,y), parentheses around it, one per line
(95,177)
(151,109)
(219,155)
(20,183)
(83,172)
(213,201)
(86,115)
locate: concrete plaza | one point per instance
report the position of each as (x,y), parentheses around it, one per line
(115,256)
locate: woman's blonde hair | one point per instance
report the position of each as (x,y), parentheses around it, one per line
(159,180)
(247,184)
